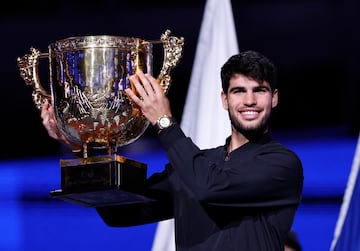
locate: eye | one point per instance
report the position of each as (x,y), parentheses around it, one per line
(261,89)
(237,90)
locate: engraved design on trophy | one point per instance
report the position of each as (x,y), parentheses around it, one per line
(88,76)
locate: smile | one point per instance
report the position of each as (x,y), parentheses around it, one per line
(249,115)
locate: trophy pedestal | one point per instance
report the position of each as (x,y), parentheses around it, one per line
(102,181)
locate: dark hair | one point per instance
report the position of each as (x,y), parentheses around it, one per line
(252,64)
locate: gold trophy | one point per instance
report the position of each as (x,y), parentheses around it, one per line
(88,76)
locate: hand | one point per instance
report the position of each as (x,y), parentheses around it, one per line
(152,99)
(49,122)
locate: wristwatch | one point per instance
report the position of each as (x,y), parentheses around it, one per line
(163,122)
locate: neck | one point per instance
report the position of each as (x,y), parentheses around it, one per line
(236,141)
(242,136)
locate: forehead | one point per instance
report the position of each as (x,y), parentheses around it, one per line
(240,80)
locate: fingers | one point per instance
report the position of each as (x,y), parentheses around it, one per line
(150,83)
(145,84)
(130,92)
(48,120)
(150,97)
(44,109)
(47,113)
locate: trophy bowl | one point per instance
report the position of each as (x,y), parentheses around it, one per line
(88,76)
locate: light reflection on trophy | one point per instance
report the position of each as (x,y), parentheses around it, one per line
(88,76)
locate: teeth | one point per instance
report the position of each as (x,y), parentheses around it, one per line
(249,112)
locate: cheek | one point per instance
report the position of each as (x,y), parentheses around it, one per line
(268,102)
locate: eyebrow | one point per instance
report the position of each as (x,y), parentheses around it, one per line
(261,87)
(256,88)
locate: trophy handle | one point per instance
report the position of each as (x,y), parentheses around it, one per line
(28,65)
(172,53)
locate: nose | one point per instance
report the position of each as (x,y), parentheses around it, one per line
(249,99)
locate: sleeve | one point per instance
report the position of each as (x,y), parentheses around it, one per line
(135,214)
(267,175)
(158,208)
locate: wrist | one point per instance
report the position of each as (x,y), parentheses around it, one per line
(163,122)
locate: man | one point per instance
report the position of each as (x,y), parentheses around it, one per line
(239,196)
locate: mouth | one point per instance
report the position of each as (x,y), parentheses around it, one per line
(250,114)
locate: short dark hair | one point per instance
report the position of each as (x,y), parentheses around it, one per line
(252,64)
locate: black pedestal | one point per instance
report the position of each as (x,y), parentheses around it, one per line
(102,181)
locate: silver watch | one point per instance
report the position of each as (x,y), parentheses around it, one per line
(164,122)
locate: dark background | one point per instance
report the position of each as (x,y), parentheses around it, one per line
(314,43)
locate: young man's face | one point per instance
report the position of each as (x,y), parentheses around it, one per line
(249,103)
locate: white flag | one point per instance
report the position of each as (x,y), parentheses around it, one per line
(347,230)
(204,119)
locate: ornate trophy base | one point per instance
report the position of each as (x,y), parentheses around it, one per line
(102,181)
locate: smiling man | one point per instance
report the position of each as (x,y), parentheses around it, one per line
(242,195)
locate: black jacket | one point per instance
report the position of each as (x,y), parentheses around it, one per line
(245,202)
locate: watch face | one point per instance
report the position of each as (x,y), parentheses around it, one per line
(164,122)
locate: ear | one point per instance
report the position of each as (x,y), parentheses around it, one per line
(275,98)
(224,100)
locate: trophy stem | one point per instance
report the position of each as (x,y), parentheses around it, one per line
(85,151)
(112,148)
